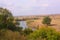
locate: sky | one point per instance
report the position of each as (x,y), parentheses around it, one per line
(31,7)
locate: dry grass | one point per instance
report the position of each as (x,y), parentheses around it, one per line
(54,24)
(10,35)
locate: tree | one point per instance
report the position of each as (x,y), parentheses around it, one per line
(47,20)
(27,31)
(6,20)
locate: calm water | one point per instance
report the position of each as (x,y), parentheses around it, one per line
(23,24)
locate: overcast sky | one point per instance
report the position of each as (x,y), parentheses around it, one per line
(31,7)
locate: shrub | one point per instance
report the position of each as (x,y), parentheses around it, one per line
(46,20)
(44,34)
(27,31)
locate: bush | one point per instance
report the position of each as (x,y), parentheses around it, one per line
(27,31)
(46,20)
(44,34)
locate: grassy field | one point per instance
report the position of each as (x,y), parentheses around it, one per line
(55,23)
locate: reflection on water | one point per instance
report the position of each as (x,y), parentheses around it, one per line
(23,24)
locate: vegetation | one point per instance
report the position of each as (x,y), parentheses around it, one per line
(27,31)
(6,20)
(10,30)
(44,34)
(47,20)
(10,35)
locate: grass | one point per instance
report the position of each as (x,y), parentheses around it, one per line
(10,35)
(54,24)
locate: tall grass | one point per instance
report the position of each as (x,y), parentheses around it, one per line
(10,35)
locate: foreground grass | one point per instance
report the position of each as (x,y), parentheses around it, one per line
(44,33)
(10,35)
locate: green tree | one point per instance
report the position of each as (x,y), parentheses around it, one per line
(46,20)
(5,17)
(6,20)
(27,31)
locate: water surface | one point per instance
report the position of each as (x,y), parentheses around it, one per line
(23,24)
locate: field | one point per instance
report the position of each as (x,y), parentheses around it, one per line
(55,23)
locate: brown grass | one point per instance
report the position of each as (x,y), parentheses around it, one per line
(10,35)
(54,24)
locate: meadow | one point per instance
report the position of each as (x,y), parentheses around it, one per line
(55,23)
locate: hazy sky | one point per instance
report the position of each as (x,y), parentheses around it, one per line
(31,7)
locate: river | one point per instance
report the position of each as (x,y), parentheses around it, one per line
(23,24)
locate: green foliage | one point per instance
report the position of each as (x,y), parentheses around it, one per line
(27,31)
(44,34)
(46,20)
(6,20)
(19,29)
(8,29)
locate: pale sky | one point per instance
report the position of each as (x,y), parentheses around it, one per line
(31,7)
